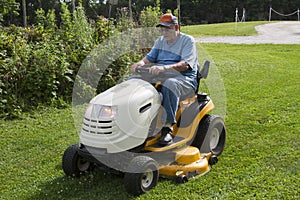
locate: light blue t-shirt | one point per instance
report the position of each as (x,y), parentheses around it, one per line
(184,49)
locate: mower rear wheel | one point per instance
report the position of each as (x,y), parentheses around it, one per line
(142,175)
(72,163)
(211,135)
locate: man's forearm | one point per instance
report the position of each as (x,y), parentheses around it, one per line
(180,66)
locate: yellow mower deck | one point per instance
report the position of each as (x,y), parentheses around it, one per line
(188,162)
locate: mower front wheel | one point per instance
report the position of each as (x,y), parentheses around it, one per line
(72,163)
(142,175)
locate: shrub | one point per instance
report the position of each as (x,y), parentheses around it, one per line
(149,16)
(15,52)
(38,64)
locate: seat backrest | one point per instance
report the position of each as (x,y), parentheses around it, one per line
(202,73)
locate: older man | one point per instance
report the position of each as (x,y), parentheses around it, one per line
(174,53)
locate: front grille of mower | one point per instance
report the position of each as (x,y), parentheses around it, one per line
(94,126)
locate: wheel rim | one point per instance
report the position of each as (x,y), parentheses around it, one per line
(214,138)
(83,165)
(147,178)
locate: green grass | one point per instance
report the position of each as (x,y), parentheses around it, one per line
(261,159)
(223,29)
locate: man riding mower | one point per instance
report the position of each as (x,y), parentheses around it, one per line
(155,125)
(121,131)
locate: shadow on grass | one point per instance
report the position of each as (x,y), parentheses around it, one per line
(93,185)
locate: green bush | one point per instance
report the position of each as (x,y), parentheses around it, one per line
(39,64)
(149,16)
(15,52)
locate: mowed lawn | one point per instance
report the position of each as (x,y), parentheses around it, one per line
(261,159)
(223,29)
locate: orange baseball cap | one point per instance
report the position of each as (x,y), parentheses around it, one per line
(167,20)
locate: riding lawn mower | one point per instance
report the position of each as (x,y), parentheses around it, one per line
(121,130)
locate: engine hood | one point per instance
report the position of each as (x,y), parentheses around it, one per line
(137,103)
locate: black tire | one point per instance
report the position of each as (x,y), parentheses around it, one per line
(211,135)
(182,179)
(213,160)
(142,175)
(72,163)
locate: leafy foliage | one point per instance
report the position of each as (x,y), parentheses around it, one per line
(149,16)
(8,8)
(39,63)
(191,12)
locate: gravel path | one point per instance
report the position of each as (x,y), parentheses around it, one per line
(274,33)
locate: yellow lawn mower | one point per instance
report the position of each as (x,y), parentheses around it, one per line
(121,130)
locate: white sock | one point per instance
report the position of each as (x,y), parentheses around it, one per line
(169,125)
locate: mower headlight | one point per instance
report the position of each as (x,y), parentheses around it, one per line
(103,112)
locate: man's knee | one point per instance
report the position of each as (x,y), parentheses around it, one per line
(171,84)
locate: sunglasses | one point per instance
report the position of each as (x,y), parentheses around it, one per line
(166,29)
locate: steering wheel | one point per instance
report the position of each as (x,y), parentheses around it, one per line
(144,71)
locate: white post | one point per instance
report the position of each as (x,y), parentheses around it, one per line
(270,13)
(236,15)
(298,15)
(244,15)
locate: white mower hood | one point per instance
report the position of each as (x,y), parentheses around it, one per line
(119,118)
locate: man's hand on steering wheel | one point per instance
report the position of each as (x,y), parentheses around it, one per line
(156,69)
(136,65)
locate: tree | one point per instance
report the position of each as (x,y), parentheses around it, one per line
(24,13)
(191,11)
(8,10)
